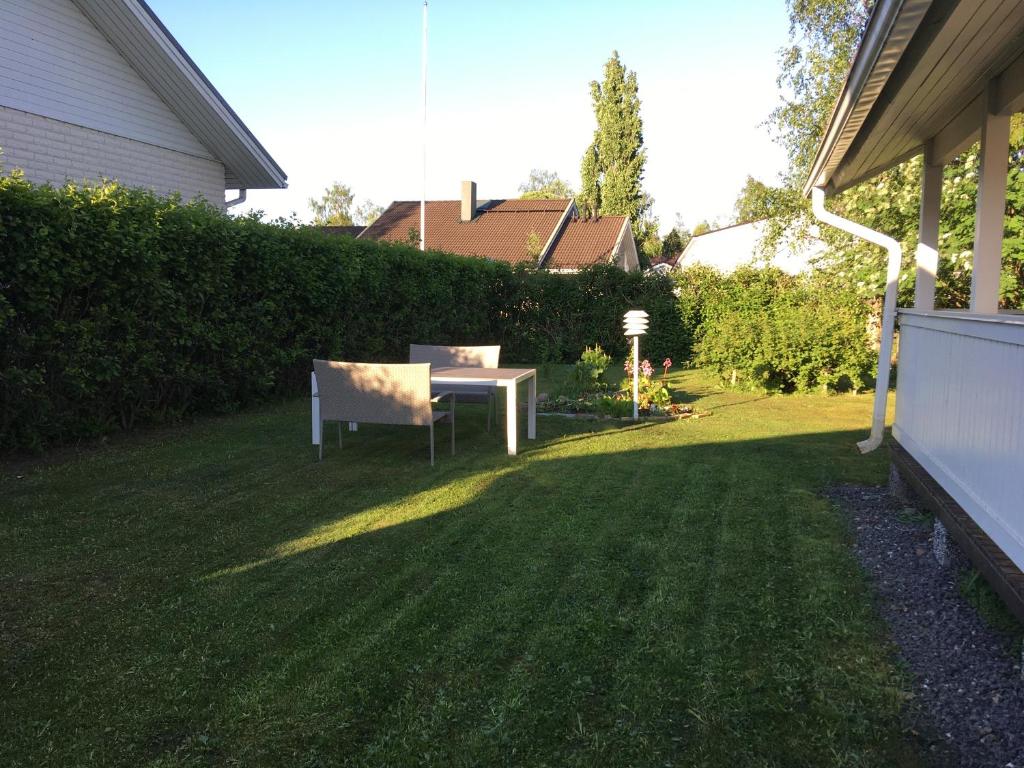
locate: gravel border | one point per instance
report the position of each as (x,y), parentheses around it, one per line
(967,682)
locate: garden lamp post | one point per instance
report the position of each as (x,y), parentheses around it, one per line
(635,324)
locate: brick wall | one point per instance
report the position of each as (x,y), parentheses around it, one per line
(53,151)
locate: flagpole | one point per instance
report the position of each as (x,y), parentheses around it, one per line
(423,198)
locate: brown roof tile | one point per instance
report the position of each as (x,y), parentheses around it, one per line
(337,229)
(499,231)
(585,242)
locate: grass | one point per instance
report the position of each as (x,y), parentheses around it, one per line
(654,595)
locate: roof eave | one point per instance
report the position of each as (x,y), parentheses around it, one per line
(134,29)
(888,33)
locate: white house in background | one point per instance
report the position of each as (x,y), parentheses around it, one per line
(93,89)
(727,248)
(932,77)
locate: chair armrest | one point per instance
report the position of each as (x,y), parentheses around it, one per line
(437,398)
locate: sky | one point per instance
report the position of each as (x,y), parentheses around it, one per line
(332,89)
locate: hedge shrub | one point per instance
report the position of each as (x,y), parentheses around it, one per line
(119,308)
(766,330)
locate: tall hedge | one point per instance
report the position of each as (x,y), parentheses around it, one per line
(119,308)
(763,329)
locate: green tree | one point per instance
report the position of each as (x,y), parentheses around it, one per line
(823,38)
(675,242)
(334,208)
(545,185)
(705,226)
(533,246)
(366,213)
(612,168)
(757,201)
(812,69)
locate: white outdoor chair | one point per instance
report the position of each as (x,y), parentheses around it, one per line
(462,357)
(379,393)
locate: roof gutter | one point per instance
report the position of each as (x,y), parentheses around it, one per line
(237,200)
(888,33)
(892,276)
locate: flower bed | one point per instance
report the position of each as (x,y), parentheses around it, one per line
(589,397)
(617,406)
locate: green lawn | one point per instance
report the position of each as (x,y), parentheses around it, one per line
(616,595)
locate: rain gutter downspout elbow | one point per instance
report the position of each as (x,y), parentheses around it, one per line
(236,201)
(892,277)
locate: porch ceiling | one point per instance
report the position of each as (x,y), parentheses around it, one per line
(920,76)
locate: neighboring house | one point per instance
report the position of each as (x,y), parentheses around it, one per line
(99,89)
(547,233)
(727,248)
(662,265)
(931,79)
(353,230)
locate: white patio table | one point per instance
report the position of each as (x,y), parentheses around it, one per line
(507,378)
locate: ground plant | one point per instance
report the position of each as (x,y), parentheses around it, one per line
(589,369)
(585,392)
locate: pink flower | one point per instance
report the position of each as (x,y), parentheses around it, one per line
(666,363)
(645,368)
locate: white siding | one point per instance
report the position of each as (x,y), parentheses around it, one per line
(960,413)
(626,255)
(53,151)
(55,63)
(728,248)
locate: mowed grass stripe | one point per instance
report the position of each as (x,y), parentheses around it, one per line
(669,594)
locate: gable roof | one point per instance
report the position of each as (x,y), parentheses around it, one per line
(669,260)
(499,231)
(146,44)
(585,242)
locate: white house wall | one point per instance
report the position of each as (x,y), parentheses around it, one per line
(732,247)
(626,255)
(55,65)
(53,151)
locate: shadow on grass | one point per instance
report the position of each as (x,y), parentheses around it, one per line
(595,600)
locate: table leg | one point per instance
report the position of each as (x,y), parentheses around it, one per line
(511,418)
(315,399)
(531,424)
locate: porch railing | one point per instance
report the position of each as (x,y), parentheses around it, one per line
(960,413)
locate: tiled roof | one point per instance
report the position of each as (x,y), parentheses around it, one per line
(585,242)
(500,229)
(670,260)
(351,231)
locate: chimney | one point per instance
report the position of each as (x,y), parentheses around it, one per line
(468,200)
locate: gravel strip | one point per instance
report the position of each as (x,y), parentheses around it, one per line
(968,684)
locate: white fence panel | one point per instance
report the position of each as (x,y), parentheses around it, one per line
(960,413)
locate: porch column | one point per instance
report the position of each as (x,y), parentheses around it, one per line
(928,232)
(991,207)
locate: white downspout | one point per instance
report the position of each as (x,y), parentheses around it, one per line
(892,276)
(236,201)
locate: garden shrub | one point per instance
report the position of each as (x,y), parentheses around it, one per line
(589,369)
(119,308)
(766,330)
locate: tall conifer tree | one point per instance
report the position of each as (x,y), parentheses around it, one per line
(612,169)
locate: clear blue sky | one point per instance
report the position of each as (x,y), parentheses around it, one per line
(332,89)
